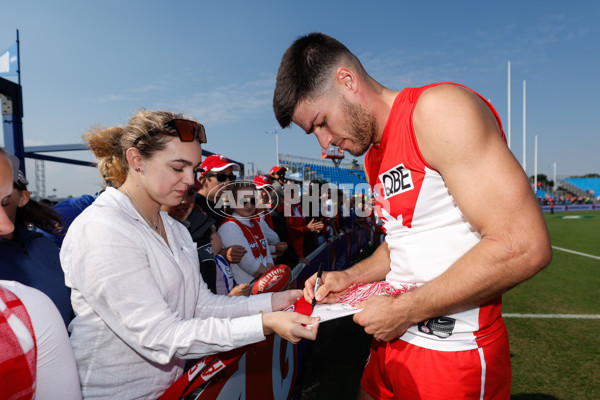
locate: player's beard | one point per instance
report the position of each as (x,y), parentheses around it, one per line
(361,124)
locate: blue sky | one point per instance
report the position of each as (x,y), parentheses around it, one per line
(86,63)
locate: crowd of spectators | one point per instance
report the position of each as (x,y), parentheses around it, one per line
(546,198)
(259,224)
(567,199)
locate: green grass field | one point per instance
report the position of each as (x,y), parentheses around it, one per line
(559,358)
(552,358)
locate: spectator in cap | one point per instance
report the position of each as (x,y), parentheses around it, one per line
(278,176)
(269,197)
(216,174)
(28,256)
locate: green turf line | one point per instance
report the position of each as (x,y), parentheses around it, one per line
(567,316)
(576,252)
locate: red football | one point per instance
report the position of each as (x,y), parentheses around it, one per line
(274,279)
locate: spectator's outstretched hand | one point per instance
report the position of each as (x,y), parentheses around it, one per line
(280,248)
(315,226)
(234,253)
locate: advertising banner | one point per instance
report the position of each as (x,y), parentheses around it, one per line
(572,207)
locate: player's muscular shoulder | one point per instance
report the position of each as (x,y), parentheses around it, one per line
(445,106)
(449,116)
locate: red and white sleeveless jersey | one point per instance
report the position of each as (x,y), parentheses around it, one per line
(426,231)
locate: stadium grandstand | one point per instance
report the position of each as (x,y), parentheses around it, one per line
(305,169)
(582,186)
(573,190)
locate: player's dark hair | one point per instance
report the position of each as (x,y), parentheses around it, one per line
(306,69)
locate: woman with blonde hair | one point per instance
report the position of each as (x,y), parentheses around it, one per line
(141,307)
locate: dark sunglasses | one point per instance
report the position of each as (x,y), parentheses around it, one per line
(221,177)
(187,130)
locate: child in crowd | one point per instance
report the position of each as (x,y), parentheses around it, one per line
(243,228)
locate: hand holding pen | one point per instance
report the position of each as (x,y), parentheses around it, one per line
(331,284)
(317,284)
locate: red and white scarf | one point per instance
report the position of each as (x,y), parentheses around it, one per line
(255,237)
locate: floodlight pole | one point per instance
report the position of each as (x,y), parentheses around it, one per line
(535,151)
(524,127)
(555,183)
(508,139)
(276,147)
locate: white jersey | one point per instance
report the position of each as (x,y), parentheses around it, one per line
(426,231)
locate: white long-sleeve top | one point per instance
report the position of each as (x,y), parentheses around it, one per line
(141,306)
(231,234)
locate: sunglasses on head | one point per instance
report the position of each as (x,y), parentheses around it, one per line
(221,177)
(187,130)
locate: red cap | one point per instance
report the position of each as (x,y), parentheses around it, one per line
(261,181)
(216,163)
(276,170)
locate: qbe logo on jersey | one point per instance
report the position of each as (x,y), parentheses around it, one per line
(396,180)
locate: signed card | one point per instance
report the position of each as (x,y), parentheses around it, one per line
(348,302)
(328,312)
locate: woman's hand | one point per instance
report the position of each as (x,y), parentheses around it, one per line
(290,326)
(282,300)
